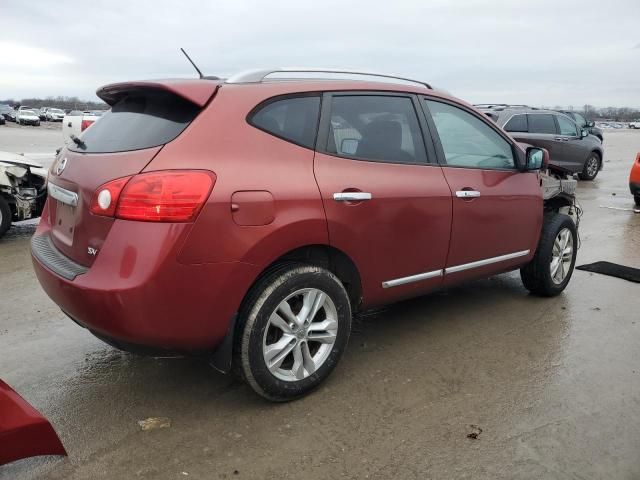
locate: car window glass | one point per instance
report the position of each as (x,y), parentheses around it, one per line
(378,128)
(468,141)
(567,127)
(293,118)
(541,123)
(141,119)
(517,123)
(580,120)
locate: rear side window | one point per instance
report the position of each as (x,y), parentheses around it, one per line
(293,118)
(378,128)
(541,123)
(517,123)
(139,120)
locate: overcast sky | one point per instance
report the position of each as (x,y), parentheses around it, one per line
(539,52)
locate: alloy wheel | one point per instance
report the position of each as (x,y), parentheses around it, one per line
(300,334)
(592,166)
(562,256)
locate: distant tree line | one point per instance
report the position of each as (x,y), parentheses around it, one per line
(65,103)
(617,114)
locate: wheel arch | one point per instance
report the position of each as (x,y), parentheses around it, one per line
(326,256)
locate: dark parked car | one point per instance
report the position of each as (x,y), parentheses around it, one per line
(7,113)
(250,218)
(569,146)
(584,124)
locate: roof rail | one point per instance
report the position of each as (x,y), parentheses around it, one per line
(257,76)
(500,106)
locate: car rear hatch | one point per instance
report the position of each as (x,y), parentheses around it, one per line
(144,116)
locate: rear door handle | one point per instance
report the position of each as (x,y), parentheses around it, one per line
(467,194)
(352,196)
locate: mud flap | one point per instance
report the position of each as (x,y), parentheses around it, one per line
(24,432)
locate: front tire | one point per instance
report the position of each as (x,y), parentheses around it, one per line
(550,270)
(294,328)
(591,167)
(5,216)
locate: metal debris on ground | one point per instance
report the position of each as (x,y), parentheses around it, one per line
(153,423)
(475,432)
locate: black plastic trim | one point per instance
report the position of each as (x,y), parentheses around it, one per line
(50,257)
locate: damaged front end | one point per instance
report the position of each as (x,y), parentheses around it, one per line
(23,189)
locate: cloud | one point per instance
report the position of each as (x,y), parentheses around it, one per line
(16,55)
(542,52)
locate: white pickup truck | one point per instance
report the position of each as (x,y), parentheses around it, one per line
(76,122)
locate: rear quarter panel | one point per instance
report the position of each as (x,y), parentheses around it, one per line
(246,159)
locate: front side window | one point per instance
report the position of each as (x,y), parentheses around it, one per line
(293,118)
(541,123)
(377,128)
(580,120)
(467,141)
(517,123)
(567,127)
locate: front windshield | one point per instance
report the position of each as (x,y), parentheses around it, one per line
(55,110)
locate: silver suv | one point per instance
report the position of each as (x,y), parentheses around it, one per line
(569,146)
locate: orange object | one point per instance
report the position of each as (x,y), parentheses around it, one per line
(634,180)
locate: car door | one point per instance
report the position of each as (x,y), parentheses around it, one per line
(497,209)
(387,203)
(574,150)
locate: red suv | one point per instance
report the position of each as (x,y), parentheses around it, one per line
(248,219)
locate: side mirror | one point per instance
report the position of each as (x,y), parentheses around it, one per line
(584,133)
(537,158)
(591,124)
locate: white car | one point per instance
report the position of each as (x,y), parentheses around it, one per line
(634,124)
(55,115)
(28,117)
(23,189)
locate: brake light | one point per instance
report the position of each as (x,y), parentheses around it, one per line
(85,124)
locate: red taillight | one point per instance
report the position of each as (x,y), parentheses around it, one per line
(165,196)
(106,197)
(85,124)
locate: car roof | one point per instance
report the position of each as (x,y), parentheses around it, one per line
(199,91)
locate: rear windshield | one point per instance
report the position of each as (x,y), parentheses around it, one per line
(137,121)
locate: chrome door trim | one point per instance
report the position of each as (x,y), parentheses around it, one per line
(486,261)
(352,196)
(467,194)
(412,278)
(62,194)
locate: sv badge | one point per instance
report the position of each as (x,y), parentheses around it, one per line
(92,251)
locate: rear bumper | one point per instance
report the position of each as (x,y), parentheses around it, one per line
(137,292)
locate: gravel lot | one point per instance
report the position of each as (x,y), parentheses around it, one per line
(554,384)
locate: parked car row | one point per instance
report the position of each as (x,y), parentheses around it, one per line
(49,114)
(573,143)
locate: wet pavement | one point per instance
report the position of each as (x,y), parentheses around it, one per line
(553,384)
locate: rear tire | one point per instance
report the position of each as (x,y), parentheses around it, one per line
(550,270)
(591,167)
(275,352)
(636,198)
(5,216)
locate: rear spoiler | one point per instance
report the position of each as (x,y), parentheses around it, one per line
(197,92)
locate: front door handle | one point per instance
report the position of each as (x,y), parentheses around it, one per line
(352,196)
(467,194)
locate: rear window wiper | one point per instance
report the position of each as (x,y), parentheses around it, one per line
(78,141)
